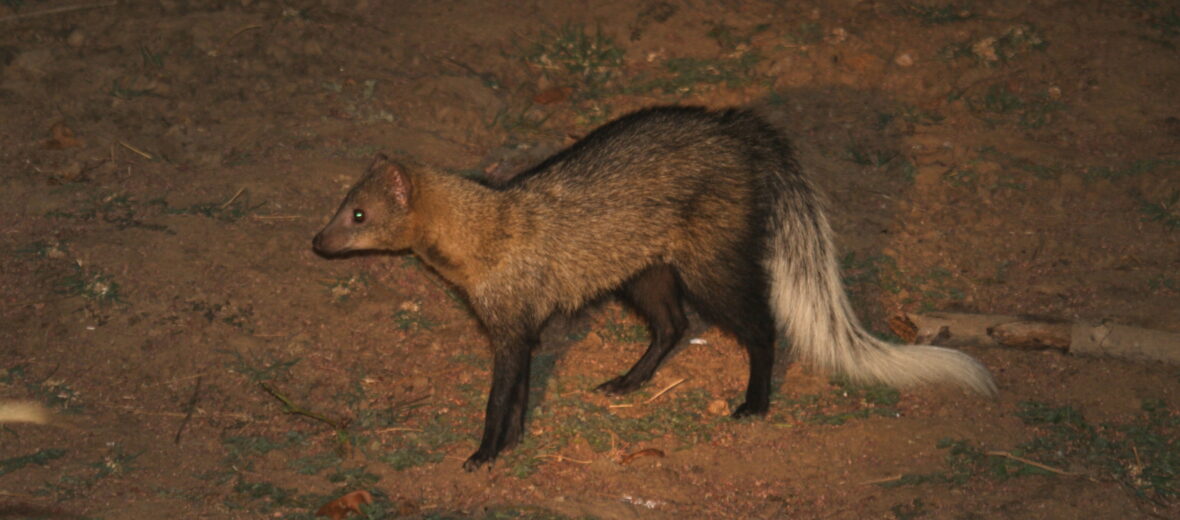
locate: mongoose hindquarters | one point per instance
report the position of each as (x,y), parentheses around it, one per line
(663,205)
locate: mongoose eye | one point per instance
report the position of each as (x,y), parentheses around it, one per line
(358,215)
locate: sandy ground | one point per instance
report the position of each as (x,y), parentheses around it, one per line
(165,164)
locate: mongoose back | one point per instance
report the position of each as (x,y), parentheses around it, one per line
(661,206)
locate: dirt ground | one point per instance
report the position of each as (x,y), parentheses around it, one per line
(165,164)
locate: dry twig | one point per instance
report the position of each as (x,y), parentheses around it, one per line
(1032,463)
(190,408)
(141,153)
(56,10)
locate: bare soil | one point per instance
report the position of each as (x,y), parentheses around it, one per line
(164,165)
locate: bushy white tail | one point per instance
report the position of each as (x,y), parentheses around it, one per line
(811,306)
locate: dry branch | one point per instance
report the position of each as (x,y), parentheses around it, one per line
(1087,339)
(56,10)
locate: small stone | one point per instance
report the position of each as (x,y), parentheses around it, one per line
(71,172)
(838,35)
(718,407)
(76,38)
(985,49)
(904,60)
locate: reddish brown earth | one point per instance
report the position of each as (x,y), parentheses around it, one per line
(165,164)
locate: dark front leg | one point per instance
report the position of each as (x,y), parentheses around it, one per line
(504,420)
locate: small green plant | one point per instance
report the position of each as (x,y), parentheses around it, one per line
(237,316)
(1131,169)
(846,401)
(117,462)
(259,370)
(919,116)
(40,458)
(516,120)
(265,497)
(1143,454)
(937,14)
(316,463)
(1011,162)
(1162,18)
(806,33)
(1166,211)
(52,392)
(1016,41)
(364,417)
(354,478)
(425,445)
(571,55)
(618,329)
(150,58)
(119,209)
(937,286)
(729,37)
(865,277)
(240,448)
(119,91)
(411,455)
(90,284)
(569,416)
(75,483)
(865,155)
(42,249)
(961,177)
(412,319)
(1162,282)
(232,210)
(687,73)
(880,270)
(1029,112)
(966,461)
(916,508)
(342,288)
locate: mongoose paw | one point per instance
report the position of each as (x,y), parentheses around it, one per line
(618,386)
(748,410)
(479,459)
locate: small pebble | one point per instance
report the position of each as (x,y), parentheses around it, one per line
(718,407)
(76,38)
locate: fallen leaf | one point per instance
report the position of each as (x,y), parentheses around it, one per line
(552,95)
(62,138)
(650,452)
(905,329)
(341,507)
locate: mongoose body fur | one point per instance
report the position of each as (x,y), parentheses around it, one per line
(661,206)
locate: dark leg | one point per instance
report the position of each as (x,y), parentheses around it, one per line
(504,420)
(758,339)
(738,303)
(655,294)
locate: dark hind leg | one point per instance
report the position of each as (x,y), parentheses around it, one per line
(655,294)
(738,302)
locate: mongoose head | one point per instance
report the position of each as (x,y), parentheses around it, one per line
(375,214)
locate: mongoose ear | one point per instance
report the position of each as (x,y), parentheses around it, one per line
(395,177)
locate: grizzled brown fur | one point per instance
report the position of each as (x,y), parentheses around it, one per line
(664,205)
